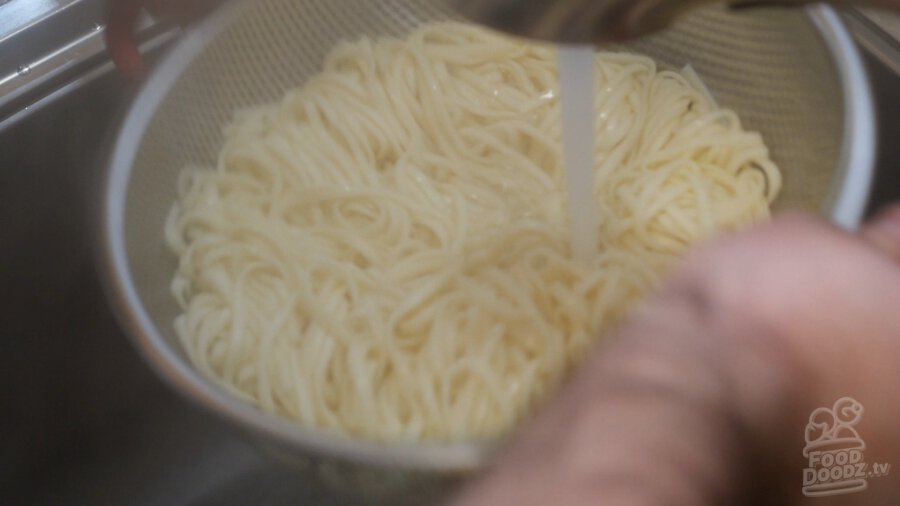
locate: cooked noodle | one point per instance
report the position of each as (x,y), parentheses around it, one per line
(385,252)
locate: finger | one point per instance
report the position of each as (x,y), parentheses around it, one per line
(642,423)
(883,232)
(120,38)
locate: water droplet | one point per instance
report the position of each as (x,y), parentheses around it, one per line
(97,27)
(23,70)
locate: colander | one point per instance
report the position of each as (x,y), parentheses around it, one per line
(793,75)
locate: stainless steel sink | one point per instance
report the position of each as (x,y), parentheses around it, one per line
(83,419)
(878,34)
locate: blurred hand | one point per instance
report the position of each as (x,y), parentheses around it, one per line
(704,397)
(122,22)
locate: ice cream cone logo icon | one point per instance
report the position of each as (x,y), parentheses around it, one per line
(835,450)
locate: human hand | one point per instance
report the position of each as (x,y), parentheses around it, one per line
(704,397)
(122,20)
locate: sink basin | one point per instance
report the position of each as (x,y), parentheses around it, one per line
(85,421)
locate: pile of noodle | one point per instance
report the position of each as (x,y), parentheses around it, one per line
(385,252)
